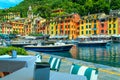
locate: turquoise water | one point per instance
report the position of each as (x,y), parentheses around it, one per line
(109,55)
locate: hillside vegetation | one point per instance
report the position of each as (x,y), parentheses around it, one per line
(82,7)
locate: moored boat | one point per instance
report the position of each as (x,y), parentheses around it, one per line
(94,41)
(49,48)
(22,43)
(116,38)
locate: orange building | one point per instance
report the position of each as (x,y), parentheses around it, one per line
(18,27)
(66,25)
(103,24)
(6,28)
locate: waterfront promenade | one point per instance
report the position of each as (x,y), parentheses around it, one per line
(105,72)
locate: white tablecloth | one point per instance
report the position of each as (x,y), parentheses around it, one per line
(9,64)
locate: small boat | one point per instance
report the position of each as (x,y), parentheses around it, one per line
(49,48)
(22,43)
(71,41)
(94,41)
(116,38)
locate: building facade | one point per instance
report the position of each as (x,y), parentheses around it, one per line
(66,25)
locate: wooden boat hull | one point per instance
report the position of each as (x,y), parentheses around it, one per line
(49,48)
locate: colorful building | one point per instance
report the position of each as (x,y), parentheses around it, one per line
(103,24)
(112,25)
(89,25)
(6,28)
(18,27)
(85,26)
(66,25)
(39,24)
(114,22)
(9,16)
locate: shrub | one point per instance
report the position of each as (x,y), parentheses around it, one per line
(8,50)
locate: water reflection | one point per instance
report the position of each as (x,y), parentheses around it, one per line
(64,54)
(109,55)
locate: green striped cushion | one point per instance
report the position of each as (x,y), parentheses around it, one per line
(38,58)
(54,63)
(90,73)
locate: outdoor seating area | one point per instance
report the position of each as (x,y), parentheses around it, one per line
(37,69)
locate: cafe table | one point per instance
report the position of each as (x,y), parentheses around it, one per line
(9,64)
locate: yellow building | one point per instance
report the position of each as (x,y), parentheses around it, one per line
(113,25)
(52,29)
(89,25)
(85,27)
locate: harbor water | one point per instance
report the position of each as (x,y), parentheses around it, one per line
(109,55)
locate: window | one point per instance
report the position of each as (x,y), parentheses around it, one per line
(94,25)
(87,21)
(89,26)
(82,32)
(109,25)
(90,21)
(68,26)
(82,27)
(65,26)
(51,32)
(109,31)
(114,31)
(102,25)
(82,22)
(56,32)
(65,32)
(114,19)
(56,27)
(114,25)
(86,32)
(109,19)
(68,32)
(89,32)
(86,26)
(95,32)
(94,21)
(102,31)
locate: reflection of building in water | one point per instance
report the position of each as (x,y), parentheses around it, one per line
(104,55)
(74,51)
(85,53)
(114,55)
